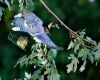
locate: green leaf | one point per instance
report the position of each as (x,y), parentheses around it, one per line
(97,54)
(1,0)
(73,65)
(8,4)
(30,4)
(27,76)
(36,75)
(71,45)
(81,53)
(52,54)
(82,68)
(82,33)
(90,40)
(21,4)
(76,47)
(86,54)
(22,61)
(1,12)
(69,67)
(53,76)
(52,73)
(91,56)
(50,25)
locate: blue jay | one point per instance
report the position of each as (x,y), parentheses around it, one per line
(30,23)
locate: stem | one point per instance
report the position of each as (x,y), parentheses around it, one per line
(69,29)
(56,16)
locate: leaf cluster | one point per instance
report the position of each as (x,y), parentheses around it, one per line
(6,2)
(85,49)
(43,61)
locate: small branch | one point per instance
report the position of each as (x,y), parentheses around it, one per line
(56,16)
(69,29)
(87,46)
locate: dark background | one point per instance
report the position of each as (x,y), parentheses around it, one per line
(77,14)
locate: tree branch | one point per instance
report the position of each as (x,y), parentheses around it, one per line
(69,29)
(55,16)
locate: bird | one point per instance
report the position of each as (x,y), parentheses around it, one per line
(27,21)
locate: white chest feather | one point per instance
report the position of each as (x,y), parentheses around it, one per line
(18,15)
(37,40)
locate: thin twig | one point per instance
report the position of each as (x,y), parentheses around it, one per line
(87,46)
(69,29)
(55,16)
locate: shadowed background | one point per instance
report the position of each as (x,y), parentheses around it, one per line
(77,14)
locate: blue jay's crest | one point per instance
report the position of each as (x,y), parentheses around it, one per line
(30,23)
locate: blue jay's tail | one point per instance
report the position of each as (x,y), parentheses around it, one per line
(46,40)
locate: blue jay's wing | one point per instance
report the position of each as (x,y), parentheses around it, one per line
(46,40)
(18,24)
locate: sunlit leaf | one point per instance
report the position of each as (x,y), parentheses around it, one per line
(91,56)
(30,4)
(27,76)
(71,45)
(53,74)
(1,1)
(69,67)
(50,25)
(81,53)
(90,40)
(36,75)
(8,4)
(1,12)
(82,68)
(82,33)
(97,54)
(22,61)
(76,47)
(73,65)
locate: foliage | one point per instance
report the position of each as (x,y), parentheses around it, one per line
(85,50)
(28,4)
(2,8)
(43,59)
